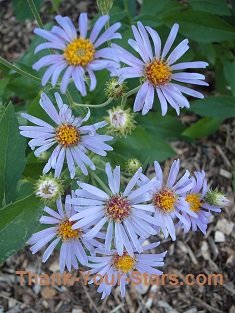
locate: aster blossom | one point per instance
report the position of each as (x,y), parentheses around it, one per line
(72,140)
(156,67)
(117,269)
(75,56)
(167,198)
(73,243)
(196,197)
(127,217)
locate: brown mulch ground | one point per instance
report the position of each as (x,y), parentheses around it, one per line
(191,253)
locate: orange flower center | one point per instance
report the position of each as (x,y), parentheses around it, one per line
(158,73)
(123,263)
(67,135)
(195,202)
(66,232)
(165,200)
(118,208)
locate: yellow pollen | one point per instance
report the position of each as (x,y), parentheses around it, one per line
(123,263)
(67,135)
(79,52)
(66,232)
(195,202)
(165,200)
(158,72)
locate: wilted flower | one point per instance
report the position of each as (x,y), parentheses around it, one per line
(167,199)
(73,242)
(196,197)
(158,71)
(72,140)
(127,217)
(118,268)
(80,55)
(120,122)
(49,188)
(113,89)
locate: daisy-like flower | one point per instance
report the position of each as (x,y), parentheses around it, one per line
(76,55)
(73,242)
(72,140)
(127,217)
(156,68)
(196,198)
(117,269)
(167,199)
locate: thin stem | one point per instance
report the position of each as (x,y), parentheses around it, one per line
(101,105)
(17,69)
(128,94)
(100,182)
(35,12)
(69,97)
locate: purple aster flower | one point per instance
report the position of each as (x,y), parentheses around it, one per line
(72,140)
(167,199)
(117,269)
(75,55)
(73,242)
(196,197)
(127,217)
(157,66)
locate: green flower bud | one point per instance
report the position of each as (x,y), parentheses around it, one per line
(215,197)
(114,90)
(132,165)
(104,6)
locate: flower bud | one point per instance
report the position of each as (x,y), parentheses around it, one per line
(215,197)
(132,165)
(120,122)
(49,188)
(104,6)
(114,90)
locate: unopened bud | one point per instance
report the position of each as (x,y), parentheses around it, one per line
(104,6)
(115,90)
(132,165)
(215,197)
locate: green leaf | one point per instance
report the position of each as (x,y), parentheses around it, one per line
(142,144)
(22,9)
(229,73)
(12,155)
(156,7)
(201,26)
(18,221)
(154,122)
(202,128)
(219,107)
(218,7)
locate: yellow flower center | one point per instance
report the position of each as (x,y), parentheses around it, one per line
(158,72)
(165,200)
(118,208)
(194,200)
(67,135)
(66,232)
(79,52)
(123,263)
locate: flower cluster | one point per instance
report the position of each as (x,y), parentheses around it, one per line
(106,229)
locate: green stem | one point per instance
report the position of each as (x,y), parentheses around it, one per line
(100,182)
(35,12)
(128,94)
(17,69)
(69,97)
(101,105)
